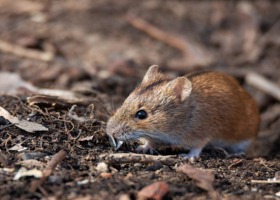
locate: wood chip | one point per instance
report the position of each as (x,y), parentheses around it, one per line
(263,84)
(193,53)
(138,158)
(23,172)
(266,181)
(17,50)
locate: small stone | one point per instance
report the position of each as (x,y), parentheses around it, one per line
(137,165)
(55,179)
(154,167)
(156,190)
(124,197)
(106,175)
(102,167)
(129,175)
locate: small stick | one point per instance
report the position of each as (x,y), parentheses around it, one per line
(56,159)
(138,158)
(265,181)
(17,50)
(235,163)
(263,84)
(157,33)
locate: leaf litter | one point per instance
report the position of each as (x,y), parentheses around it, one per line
(25,125)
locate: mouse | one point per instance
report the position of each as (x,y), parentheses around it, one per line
(187,112)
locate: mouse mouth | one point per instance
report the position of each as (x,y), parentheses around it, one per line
(115,142)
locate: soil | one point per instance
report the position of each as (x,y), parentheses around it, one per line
(102,56)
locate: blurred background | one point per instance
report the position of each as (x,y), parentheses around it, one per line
(105,47)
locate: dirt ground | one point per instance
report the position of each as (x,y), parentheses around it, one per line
(98,51)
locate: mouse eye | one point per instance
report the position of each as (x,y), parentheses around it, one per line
(141,114)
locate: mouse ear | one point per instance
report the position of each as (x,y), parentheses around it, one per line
(181,86)
(151,74)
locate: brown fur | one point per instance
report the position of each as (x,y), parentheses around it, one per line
(217,108)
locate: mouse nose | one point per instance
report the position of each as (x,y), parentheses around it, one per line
(115,142)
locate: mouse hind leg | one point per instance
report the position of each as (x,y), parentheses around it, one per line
(238,148)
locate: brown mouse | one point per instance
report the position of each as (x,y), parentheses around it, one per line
(186,112)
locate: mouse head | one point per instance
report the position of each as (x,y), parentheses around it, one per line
(151,111)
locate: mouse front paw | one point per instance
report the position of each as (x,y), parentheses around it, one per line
(193,154)
(145,148)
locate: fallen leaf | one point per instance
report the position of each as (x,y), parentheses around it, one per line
(28,126)
(7,170)
(13,84)
(156,191)
(204,178)
(23,172)
(18,147)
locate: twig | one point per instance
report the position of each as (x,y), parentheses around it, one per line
(138,158)
(56,159)
(157,33)
(263,84)
(193,54)
(24,52)
(265,181)
(235,163)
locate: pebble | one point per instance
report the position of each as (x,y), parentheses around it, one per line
(156,190)
(102,167)
(106,175)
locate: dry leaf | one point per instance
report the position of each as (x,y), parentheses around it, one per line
(13,84)
(154,191)
(28,126)
(18,147)
(23,172)
(7,170)
(204,178)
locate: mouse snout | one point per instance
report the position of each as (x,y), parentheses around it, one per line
(115,142)
(114,132)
